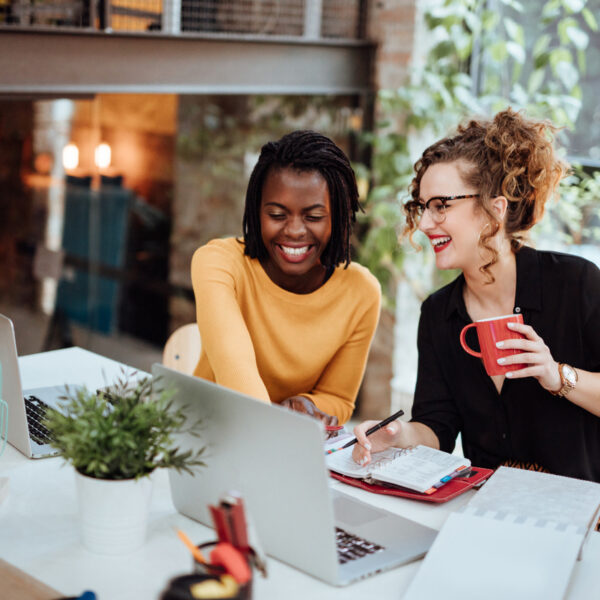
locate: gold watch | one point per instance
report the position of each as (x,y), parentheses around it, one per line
(568,379)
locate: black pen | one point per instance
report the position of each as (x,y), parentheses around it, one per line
(371,430)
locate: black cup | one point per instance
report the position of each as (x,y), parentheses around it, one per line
(179,588)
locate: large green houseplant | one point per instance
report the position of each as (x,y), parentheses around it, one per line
(115,438)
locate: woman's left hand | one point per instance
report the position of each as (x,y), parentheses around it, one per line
(307,406)
(535,354)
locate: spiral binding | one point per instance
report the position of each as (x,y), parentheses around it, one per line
(384,463)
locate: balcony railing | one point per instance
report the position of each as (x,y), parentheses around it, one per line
(301,19)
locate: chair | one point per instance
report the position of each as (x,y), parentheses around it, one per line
(182,349)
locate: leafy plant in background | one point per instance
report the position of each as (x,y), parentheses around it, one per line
(479,61)
(122,432)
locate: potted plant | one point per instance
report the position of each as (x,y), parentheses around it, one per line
(115,438)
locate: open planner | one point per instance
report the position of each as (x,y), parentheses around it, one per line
(519,537)
(421,468)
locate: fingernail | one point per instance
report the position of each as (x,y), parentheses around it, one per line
(368,446)
(499,344)
(363,461)
(511,325)
(509,374)
(501,361)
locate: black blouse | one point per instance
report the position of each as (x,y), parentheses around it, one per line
(559,296)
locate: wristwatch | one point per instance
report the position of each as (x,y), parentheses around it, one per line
(568,379)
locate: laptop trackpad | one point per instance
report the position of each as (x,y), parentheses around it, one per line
(354,512)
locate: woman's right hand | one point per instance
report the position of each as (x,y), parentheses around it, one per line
(380,440)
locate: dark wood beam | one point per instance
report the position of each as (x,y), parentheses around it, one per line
(45,62)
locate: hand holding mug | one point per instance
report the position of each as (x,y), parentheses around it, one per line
(534,360)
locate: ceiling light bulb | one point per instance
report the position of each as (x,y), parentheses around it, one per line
(70,157)
(102,156)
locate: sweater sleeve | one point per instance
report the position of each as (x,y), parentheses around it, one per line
(224,334)
(336,390)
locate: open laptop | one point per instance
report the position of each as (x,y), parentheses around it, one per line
(26,431)
(275,459)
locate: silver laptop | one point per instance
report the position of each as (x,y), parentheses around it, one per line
(275,459)
(26,431)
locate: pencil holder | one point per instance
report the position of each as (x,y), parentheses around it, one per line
(245,590)
(200,586)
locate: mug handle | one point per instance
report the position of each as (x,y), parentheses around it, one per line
(463,341)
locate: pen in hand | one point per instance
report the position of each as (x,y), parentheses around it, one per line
(371,430)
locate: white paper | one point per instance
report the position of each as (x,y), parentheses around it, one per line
(475,557)
(518,538)
(540,495)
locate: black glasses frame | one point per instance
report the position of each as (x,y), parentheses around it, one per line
(419,208)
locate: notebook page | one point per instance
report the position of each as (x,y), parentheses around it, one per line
(342,462)
(339,440)
(540,495)
(497,558)
(420,468)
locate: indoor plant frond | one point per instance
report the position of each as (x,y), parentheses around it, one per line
(122,432)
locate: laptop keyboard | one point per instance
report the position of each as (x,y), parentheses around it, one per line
(35,410)
(350,546)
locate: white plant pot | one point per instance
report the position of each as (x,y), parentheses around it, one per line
(113,514)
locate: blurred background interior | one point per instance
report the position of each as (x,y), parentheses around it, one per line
(128,129)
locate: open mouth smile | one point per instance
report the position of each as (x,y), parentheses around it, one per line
(294,253)
(440,242)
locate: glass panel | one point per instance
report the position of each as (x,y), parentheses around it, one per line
(97,254)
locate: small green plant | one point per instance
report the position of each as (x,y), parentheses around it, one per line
(122,432)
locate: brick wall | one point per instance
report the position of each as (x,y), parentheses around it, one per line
(392,24)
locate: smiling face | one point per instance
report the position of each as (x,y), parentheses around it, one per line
(295,221)
(455,241)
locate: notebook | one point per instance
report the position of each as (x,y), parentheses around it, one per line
(418,468)
(519,537)
(274,458)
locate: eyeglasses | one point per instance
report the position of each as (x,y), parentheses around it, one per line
(436,207)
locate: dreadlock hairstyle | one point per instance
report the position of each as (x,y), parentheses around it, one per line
(306,151)
(509,156)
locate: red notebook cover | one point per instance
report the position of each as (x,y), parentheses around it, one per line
(455,487)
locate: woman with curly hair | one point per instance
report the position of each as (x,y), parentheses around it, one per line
(474,195)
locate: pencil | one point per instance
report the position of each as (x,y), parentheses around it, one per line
(198,556)
(369,431)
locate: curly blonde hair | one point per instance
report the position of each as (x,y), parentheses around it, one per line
(510,156)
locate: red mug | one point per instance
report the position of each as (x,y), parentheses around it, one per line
(490,331)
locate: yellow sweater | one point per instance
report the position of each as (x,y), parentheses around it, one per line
(271,344)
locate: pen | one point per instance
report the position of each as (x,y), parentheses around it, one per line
(463,470)
(371,430)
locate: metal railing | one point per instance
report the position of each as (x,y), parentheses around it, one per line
(304,19)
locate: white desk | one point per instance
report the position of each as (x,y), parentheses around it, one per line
(38,524)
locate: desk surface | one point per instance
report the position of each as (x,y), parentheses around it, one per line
(39,526)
